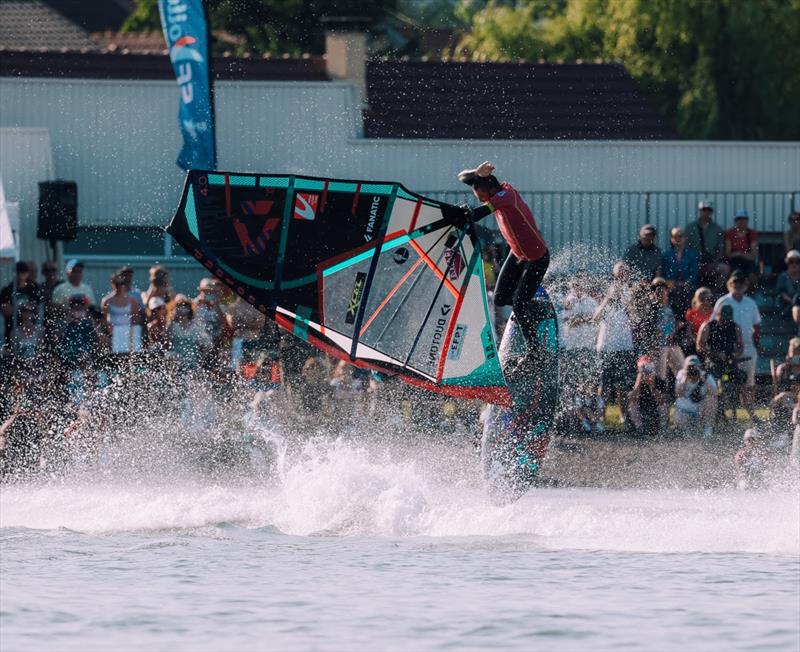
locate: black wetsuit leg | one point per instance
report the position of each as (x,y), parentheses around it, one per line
(516,285)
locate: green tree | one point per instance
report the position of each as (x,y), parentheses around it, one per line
(723,70)
(273,26)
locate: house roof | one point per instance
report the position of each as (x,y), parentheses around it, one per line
(509,101)
(35,24)
(121,64)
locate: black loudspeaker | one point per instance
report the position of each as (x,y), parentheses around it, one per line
(58,211)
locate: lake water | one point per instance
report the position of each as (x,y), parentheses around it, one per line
(367,549)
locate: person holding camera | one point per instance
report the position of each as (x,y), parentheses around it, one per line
(695,397)
(647,401)
(720,343)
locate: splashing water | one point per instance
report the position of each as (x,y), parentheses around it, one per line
(385,489)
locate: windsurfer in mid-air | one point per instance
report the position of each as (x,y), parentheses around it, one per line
(526,264)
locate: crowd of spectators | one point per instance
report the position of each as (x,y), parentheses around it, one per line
(671,338)
(75,363)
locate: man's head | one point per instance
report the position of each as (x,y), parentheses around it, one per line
(705,211)
(50,271)
(126,273)
(737,284)
(792,260)
(677,237)
(74,270)
(726,314)
(159,276)
(23,273)
(647,235)
(621,271)
(794,219)
(484,188)
(740,219)
(660,288)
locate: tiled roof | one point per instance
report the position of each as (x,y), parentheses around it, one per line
(509,101)
(34,24)
(124,65)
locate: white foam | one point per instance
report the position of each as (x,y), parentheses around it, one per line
(343,489)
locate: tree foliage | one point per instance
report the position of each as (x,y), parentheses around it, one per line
(274,26)
(725,69)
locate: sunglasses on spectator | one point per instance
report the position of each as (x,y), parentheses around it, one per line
(794,261)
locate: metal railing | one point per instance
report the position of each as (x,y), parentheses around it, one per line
(612,219)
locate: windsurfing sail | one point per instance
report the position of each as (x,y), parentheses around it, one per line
(366,271)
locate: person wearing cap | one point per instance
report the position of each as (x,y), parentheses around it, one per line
(707,238)
(695,397)
(747,316)
(648,408)
(208,315)
(644,256)
(525,266)
(788,284)
(73,286)
(741,246)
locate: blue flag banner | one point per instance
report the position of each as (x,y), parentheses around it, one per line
(188,39)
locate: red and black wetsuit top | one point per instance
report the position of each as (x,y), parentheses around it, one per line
(516,223)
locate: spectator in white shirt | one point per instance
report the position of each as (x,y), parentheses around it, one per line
(747,316)
(580,369)
(615,349)
(695,397)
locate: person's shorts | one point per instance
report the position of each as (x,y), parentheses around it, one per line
(749,367)
(619,371)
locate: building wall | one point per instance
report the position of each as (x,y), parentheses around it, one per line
(119,139)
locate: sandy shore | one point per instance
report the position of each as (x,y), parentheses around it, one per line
(619,461)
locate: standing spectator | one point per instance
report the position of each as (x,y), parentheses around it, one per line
(188,341)
(791,237)
(681,267)
(707,238)
(157,327)
(245,323)
(20,290)
(695,397)
(78,337)
(579,338)
(741,247)
(788,285)
(644,309)
(124,314)
(126,274)
(51,280)
(720,343)
(26,339)
(700,312)
(748,318)
(615,349)
(644,257)
(670,355)
(74,285)
(208,314)
(647,401)
(159,286)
